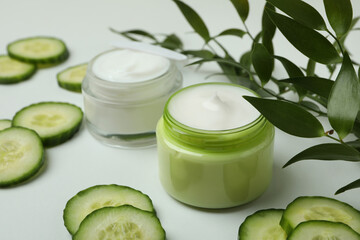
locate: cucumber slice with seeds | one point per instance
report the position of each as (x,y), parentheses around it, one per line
(124,222)
(14,71)
(21,155)
(5,123)
(93,198)
(44,51)
(323,230)
(72,77)
(55,122)
(263,225)
(319,208)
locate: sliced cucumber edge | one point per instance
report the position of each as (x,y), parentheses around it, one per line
(94,213)
(33,171)
(43,62)
(54,140)
(21,77)
(6,123)
(286,225)
(74,87)
(242,226)
(307,223)
(85,191)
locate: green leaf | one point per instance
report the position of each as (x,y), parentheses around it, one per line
(172,42)
(288,117)
(293,71)
(232,32)
(229,71)
(322,101)
(256,39)
(263,62)
(354,144)
(354,22)
(310,69)
(268,29)
(343,38)
(283,87)
(205,54)
(194,20)
(221,60)
(339,14)
(319,86)
(124,35)
(228,65)
(246,82)
(242,7)
(245,59)
(311,43)
(327,151)
(356,129)
(301,12)
(344,100)
(353,185)
(265,94)
(331,68)
(310,105)
(137,32)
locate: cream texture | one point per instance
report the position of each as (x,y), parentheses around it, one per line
(213,107)
(128,66)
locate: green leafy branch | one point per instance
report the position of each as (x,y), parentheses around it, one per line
(305,28)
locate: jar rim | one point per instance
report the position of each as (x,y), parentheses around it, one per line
(131,93)
(212,139)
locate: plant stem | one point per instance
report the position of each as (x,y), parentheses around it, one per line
(211,48)
(248,32)
(337,41)
(333,138)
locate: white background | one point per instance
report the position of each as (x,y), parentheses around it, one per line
(34,210)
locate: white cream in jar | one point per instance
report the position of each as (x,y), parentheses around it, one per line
(213,107)
(129,66)
(124,95)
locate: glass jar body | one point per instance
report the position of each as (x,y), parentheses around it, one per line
(216,177)
(125,114)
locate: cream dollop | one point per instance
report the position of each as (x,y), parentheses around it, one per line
(213,107)
(128,66)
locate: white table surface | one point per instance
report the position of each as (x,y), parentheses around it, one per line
(34,210)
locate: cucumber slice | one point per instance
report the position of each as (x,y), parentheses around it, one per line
(93,198)
(55,122)
(21,155)
(319,208)
(14,71)
(72,77)
(323,230)
(39,50)
(124,222)
(5,123)
(263,225)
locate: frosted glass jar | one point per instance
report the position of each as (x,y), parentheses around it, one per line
(214,168)
(124,114)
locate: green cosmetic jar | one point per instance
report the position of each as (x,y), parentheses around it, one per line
(214,168)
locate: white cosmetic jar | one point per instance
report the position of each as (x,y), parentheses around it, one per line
(125,113)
